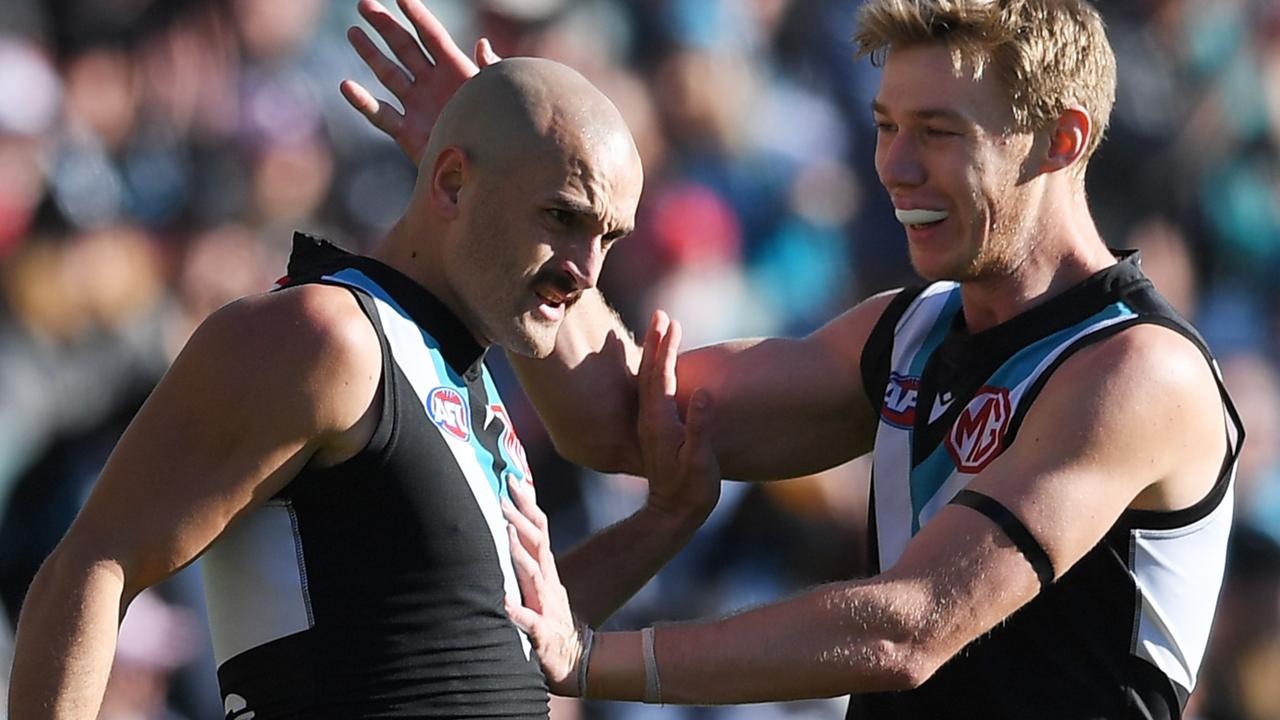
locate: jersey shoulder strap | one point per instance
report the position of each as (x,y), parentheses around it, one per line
(877,355)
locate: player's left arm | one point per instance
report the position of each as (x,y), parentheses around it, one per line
(1134,421)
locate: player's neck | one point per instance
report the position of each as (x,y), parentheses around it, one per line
(415,250)
(1067,251)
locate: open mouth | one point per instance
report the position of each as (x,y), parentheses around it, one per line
(551,297)
(556,295)
(919,218)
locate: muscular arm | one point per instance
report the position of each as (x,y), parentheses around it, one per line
(263,387)
(1135,421)
(784,407)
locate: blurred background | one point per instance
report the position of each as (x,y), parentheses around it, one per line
(156,156)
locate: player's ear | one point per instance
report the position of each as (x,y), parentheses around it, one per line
(448,174)
(1068,139)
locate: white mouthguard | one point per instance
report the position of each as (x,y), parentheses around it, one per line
(920,217)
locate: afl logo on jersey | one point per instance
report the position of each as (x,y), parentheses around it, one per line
(977,436)
(448,410)
(899,409)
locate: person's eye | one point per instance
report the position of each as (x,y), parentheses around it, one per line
(885,127)
(560,216)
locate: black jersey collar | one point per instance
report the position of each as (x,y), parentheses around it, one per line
(314,257)
(1071,306)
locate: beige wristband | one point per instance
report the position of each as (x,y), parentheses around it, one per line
(652,681)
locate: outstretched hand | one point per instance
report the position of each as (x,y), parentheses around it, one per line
(431,68)
(545,615)
(684,480)
(683,472)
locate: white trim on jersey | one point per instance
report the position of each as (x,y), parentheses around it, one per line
(892,455)
(1183,568)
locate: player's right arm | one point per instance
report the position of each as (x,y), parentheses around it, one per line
(266,385)
(784,406)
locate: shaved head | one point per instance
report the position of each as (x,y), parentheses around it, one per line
(520,108)
(528,178)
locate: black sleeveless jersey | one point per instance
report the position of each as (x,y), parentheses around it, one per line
(374,588)
(1122,633)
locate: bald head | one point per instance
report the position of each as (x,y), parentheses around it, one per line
(523,107)
(528,179)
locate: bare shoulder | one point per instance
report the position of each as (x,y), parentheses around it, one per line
(322,317)
(1144,360)
(265,386)
(1147,399)
(310,347)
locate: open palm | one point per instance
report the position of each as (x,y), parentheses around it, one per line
(427,70)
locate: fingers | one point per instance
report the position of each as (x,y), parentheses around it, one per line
(558,645)
(524,618)
(485,56)
(435,38)
(657,328)
(402,44)
(651,361)
(698,415)
(528,574)
(391,75)
(667,354)
(531,525)
(530,537)
(381,115)
(697,437)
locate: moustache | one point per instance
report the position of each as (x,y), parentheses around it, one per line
(560,281)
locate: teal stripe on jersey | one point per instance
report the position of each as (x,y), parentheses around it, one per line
(484,458)
(927,478)
(1023,364)
(354,277)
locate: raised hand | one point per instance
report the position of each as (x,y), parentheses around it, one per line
(545,615)
(431,68)
(684,475)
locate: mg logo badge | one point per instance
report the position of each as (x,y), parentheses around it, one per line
(977,436)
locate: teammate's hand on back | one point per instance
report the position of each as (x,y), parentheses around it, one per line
(428,73)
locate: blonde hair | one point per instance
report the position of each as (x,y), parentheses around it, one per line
(1050,54)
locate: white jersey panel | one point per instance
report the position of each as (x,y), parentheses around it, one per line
(892,454)
(1179,575)
(255,583)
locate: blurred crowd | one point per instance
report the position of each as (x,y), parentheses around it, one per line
(156,156)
